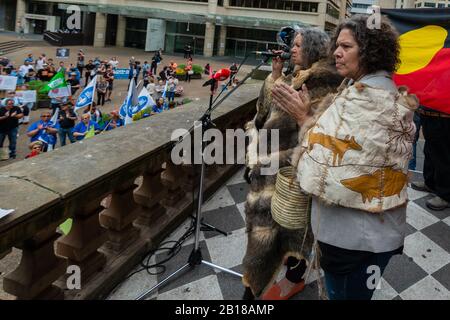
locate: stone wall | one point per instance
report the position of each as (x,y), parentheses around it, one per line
(121,190)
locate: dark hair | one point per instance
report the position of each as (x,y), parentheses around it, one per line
(379,49)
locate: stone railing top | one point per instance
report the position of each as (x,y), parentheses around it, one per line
(33,185)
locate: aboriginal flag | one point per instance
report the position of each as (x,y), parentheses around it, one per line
(424,54)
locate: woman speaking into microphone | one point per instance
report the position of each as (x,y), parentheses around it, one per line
(269,243)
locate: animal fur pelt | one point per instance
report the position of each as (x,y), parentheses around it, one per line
(268,242)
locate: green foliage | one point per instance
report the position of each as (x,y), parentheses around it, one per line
(37,85)
(195,67)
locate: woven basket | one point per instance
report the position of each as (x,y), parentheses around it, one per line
(290,206)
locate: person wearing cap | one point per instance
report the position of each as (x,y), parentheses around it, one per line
(66,120)
(9,123)
(36,148)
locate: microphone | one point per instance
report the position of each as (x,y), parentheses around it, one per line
(221,75)
(283,55)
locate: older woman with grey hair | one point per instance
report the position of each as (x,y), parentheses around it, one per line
(269,244)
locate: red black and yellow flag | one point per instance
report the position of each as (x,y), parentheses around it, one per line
(424,54)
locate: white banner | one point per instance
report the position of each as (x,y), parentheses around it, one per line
(60,92)
(27,95)
(8,83)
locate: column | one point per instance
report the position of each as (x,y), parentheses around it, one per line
(209,39)
(119,217)
(121,25)
(38,269)
(149,195)
(80,246)
(20,13)
(100,30)
(222,40)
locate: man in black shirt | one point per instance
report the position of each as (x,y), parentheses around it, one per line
(89,67)
(74,83)
(9,123)
(66,119)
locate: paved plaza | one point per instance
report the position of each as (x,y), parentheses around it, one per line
(421,273)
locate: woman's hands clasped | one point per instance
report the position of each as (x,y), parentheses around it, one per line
(295,103)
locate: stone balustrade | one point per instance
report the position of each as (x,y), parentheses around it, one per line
(122,192)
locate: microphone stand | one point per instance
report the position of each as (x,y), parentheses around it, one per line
(196,257)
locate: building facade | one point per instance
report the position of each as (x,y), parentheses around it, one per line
(432,4)
(211,27)
(360,6)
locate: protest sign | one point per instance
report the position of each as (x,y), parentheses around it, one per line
(8,83)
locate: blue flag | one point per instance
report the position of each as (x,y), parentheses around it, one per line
(87,95)
(129,104)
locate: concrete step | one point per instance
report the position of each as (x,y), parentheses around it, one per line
(10,46)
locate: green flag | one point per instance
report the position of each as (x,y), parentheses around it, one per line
(58,81)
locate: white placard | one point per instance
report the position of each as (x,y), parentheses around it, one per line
(27,95)
(5,212)
(8,83)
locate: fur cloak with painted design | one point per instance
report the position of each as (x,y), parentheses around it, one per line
(268,242)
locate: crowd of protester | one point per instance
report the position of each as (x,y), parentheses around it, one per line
(163,86)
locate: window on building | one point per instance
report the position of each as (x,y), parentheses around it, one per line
(135,32)
(441,5)
(430,5)
(332,11)
(276,4)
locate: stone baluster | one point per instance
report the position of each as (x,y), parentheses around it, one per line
(38,268)
(149,195)
(119,217)
(85,237)
(173,179)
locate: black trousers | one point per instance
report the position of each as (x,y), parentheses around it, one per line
(100,98)
(436,170)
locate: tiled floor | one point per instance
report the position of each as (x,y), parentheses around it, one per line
(422,272)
